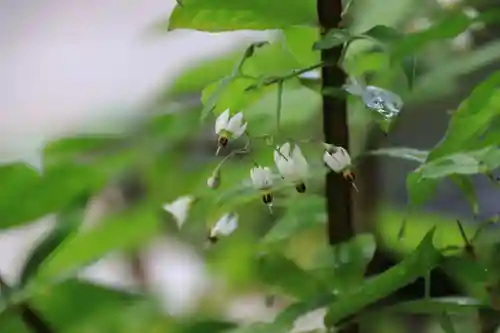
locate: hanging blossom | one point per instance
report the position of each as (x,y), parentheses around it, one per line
(214,180)
(225,226)
(385,102)
(227,127)
(179,209)
(262,179)
(339,161)
(292,165)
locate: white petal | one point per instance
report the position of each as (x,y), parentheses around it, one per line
(256,176)
(234,124)
(285,149)
(240,131)
(346,158)
(332,162)
(222,121)
(226,225)
(299,162)
(179,209)
(268,176)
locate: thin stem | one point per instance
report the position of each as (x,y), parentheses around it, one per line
(278,106)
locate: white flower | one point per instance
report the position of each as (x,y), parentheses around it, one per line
(337,159)
(226,225)
(229,127)
(262,179)
(179,209)
(292,166)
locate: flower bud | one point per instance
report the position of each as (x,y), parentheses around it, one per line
(214,181)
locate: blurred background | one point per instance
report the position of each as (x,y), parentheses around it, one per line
(102,69)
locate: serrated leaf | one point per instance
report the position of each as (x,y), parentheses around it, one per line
(424,258)
(229,15)
(472,119)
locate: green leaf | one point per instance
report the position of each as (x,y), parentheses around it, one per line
(383,34)
(284,321)
(333,38)
(472,118)
(424,258)
(409,154)
(228,15)
(446,323)
(343,266)
(287,277)
(298,41)
(451,305)
(467,163)
(66,224)
(451,25)
(420,190)
(302,213)
(467,188)
(123,231)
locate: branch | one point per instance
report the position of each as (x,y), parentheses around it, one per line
(29,316)
(336,131)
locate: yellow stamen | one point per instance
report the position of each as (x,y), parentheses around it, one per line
(301,188)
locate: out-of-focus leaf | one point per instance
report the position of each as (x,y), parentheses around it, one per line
(449,26)
(446,323)
(420,190)
(287,277)
(123,231)
(466,163)
(409,65)
(467,188)
(343,266)
(409,154)
(302,213)
(206,326)
(67,223)
(228,15)
(472,119)
(299,41)
(423,259)
(333,38)
(470,273)
(285,320)
(451,305)
(383,34)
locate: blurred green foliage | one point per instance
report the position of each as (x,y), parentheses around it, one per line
(284,254)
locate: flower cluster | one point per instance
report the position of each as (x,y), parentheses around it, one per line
(291,165)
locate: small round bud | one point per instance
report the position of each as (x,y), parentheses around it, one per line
(214,181)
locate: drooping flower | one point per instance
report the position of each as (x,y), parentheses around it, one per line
(214,180)
(262,179)
(227,127)
(225,226)
(292,165)
(179,208)
(339,161)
